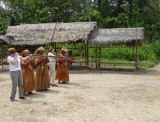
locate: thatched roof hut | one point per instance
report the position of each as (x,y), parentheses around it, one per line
(5,40)
(36,34)
(117,36)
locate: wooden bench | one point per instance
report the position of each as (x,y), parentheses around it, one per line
(116,63)
(79,62)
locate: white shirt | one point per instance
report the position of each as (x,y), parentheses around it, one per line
(13,67)
(51,59)
(16,67)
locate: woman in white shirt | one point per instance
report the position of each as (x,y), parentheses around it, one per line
(14,61)
(51,64)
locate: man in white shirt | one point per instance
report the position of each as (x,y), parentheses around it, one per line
(51,64)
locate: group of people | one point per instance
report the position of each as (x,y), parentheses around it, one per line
(22,70)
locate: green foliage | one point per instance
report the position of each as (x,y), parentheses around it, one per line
(107,13)
(152,32)
(155,46)
(117,22)
(145,53)
(4,23)
(3,51)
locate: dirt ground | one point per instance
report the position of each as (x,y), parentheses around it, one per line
(91,96)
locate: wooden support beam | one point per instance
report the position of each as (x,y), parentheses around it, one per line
(136,55)
(99,57)
(96,57)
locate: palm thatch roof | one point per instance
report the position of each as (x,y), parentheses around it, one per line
(44,33)
(5,40)
(117,36)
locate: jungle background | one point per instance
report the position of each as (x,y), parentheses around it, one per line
(107,14)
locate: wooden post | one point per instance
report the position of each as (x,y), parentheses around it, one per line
(0,54)
(99,62)
(85,54)
(133,53)
(2,59)
(136,56)
(96,58)
(55,46)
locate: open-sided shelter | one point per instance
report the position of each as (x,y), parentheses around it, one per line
(76,32)
(131,37)
(52,33)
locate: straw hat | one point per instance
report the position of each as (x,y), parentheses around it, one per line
(40,49)
(64,49)
(24,52)
(11,50)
